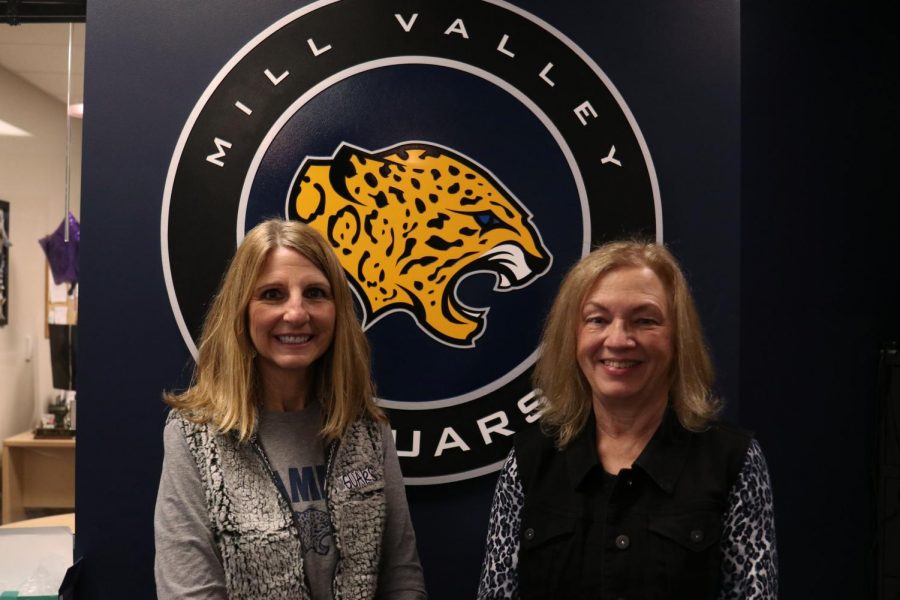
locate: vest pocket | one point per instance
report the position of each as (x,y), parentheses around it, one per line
(545,540)
(688,546)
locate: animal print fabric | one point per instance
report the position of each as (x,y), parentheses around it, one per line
(254,527)
(749,555)
(357,510)
(499,572)
(245,517)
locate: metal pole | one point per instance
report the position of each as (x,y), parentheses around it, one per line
(68,134)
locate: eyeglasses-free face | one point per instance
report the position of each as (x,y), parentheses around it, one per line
(624,343)
(291,316)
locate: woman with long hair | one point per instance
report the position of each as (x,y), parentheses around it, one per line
(630,487)
(280,477)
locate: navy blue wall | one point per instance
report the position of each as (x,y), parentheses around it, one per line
(819,274)
(677,66)
(145,67)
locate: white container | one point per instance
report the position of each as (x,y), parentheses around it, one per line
(70,402)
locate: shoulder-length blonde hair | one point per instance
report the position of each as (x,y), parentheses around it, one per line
(567,394)
(225,387)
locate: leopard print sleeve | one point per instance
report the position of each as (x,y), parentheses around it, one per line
(499,572)
(749,557)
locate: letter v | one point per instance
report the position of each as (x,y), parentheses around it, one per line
(406,25)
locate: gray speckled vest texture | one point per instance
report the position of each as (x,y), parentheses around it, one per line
(254,525)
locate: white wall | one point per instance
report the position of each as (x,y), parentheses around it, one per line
(32,180)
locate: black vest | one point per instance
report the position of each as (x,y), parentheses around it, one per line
(652,532)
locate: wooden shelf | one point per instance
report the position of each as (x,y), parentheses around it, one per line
(37,473)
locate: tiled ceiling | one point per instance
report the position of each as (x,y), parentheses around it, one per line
(38,52)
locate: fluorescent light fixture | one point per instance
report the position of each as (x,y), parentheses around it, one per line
(77,110)
(8,129)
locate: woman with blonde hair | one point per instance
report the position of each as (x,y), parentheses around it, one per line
(629,487)
(280,477)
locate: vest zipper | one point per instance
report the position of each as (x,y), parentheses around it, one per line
(329,464)
(257,447)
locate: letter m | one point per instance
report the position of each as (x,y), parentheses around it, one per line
(215,157)
(303,484)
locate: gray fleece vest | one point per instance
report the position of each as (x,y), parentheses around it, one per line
(254,524)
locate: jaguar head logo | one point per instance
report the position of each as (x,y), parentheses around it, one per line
(410,222)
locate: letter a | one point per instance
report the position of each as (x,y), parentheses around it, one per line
(457,27)
(450,439)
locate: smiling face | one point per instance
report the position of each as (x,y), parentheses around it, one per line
(624,340)
(290,317)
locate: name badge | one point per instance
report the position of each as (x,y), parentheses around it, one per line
(357,479)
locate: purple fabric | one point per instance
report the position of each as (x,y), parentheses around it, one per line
(62,256)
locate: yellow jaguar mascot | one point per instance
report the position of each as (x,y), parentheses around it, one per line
(409,222)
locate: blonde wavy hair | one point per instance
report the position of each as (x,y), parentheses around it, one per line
(566,392)
(225,388)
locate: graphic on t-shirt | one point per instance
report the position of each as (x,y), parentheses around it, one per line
(315,529)
(307,484)
(306,490)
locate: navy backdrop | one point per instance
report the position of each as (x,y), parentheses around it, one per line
(677,66)
(819,277)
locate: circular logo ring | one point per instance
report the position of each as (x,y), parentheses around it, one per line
(307,52)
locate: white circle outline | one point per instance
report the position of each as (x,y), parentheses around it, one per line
(326,83)
(280,23)
(264,34)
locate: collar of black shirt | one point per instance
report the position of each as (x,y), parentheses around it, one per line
(662,460)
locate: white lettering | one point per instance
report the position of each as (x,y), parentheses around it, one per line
(317,51)
(529,405)
(416,445)
(502,47)
(221,145)
(446,443)
(499,427)
(406,25)
(609,158)
(544,74)
(583,110)
(243,108)
(457,27)
(276,80)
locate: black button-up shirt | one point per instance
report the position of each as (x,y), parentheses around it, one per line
(652,531)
